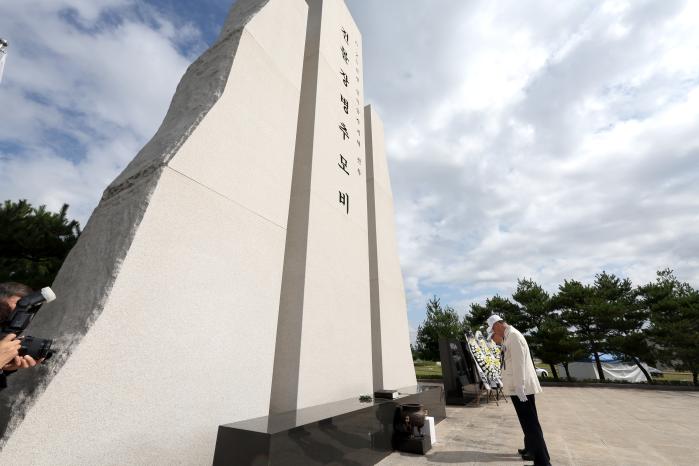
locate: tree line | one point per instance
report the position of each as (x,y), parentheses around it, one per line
(651,323)
(656,322)
(34,242)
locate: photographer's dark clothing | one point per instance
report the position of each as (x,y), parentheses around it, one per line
(533,435)
(3,378)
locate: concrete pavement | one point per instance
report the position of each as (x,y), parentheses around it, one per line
(582,426)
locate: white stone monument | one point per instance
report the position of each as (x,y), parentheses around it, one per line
(324,330)
(169,301)
(228,273)
(392,364)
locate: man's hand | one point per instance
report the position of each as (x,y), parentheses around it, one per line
(9,348)
(521,394)
(21,362)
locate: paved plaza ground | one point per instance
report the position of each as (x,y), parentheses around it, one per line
(582,426)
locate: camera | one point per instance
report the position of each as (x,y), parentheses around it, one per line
(21,317)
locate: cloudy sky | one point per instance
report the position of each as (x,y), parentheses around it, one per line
(539,139)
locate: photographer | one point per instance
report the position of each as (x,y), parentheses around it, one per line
(10,293)
(9,346)
(10,361)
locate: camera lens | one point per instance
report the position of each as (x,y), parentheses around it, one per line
(37,348)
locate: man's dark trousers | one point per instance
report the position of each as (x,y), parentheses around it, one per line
(533,435)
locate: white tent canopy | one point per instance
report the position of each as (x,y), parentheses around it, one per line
(613,370)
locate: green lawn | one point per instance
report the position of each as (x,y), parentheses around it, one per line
(685,376)
(427,370)
(681,376)
(430,370)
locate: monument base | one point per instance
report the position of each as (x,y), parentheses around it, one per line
(416,445)
(343,432)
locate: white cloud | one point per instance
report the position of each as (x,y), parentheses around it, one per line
(86,84)
(539,139)
(543,139)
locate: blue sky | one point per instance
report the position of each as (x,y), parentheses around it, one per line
(550,140)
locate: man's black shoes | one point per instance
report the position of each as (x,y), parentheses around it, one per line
(527,457)
(521,451)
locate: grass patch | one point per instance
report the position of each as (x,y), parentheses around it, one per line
(670,376)
(656,382)
(667,378)
(430,370)
(427,370)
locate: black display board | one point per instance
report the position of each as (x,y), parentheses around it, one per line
(458,370)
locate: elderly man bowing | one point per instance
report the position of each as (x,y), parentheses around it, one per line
(520,382)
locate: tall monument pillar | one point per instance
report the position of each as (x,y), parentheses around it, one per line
(392,360)
(324,331)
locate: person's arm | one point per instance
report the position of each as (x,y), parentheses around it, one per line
(9,348)
(20,362)
(518,351)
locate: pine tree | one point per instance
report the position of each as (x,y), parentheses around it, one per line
(34,242)
(475,318)
(503,307)
(534,304)
(674,315)
(580,311)
(554,344)
(625,319)
(439,323)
